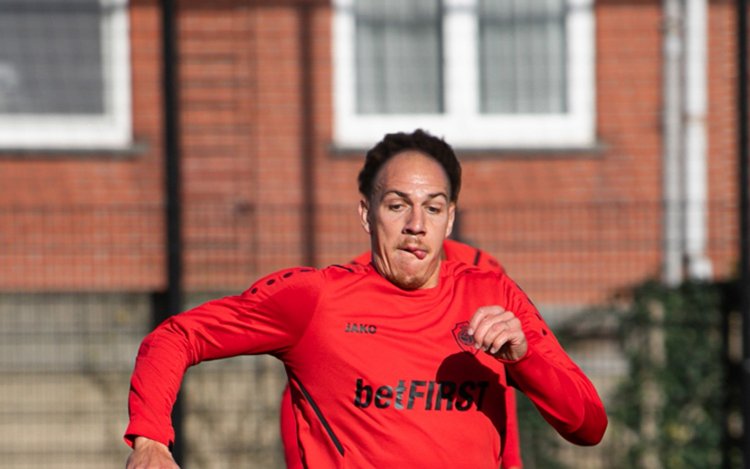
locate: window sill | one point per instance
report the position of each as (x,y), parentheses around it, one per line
(132,150)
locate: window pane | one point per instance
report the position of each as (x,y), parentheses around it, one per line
(399,56)
(522,56)
(50,57)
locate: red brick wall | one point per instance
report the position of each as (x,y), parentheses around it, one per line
(596,228)
(91,221)
(721,127)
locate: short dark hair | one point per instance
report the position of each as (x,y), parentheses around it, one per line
(419,140)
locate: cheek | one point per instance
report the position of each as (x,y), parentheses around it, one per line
(441,225)
(387,232)
(389,224)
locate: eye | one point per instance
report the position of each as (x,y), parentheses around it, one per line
(434,209)
(395,206)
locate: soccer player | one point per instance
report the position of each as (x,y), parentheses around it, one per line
(452,250)
(404,362)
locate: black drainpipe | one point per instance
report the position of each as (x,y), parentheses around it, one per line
(170,301)
(744,222)
(307,132)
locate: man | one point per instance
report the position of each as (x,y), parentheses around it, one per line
(403,362)
(511,453)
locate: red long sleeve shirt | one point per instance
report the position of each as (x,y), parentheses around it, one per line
(452,251)
(380,376)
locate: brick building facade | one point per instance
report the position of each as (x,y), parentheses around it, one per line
(256,110)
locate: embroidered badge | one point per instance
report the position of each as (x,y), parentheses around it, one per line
(463,339)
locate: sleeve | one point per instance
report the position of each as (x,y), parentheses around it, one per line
(511,453)
(455,250)
(267,318)
(561,392)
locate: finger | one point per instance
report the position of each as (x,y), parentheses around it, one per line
(495,331)
(485,318)
(480,315)
(488,329)
(498,343)
(480,333)
(505,333)
(496,336)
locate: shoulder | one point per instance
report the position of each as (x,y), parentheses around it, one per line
(455,250)
(483,279)
(345,272)
(283,281)
(469,272)
(301,277)
(302,285)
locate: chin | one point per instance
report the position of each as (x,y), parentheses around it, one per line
(408,282)
(408,285)
(407,274)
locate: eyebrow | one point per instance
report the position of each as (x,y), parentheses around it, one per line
(404,195)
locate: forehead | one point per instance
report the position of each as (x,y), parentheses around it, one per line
(412,169)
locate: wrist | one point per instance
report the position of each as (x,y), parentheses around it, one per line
(140,442)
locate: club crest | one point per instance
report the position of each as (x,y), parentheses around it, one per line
(463,339)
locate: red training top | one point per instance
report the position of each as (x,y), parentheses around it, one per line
(511,452)
(380,376)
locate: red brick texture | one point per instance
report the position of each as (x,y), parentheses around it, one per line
(571,227)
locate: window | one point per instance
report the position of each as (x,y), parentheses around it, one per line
(482,73)
(64,74)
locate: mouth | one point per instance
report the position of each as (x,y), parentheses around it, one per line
(416,251)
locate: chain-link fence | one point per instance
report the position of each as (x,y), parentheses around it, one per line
(67,352)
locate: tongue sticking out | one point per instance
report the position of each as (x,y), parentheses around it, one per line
(418,253)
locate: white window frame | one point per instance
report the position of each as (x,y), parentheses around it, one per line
(111,130)
(462,124)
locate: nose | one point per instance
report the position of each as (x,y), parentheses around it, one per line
(415,223)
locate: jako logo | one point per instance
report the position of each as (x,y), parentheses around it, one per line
(360,328)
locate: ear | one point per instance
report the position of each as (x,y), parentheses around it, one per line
(451,219)
(364,215)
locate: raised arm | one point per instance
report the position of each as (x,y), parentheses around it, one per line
(540,368)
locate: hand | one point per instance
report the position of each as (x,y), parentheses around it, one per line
(498,332)
(150,454)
